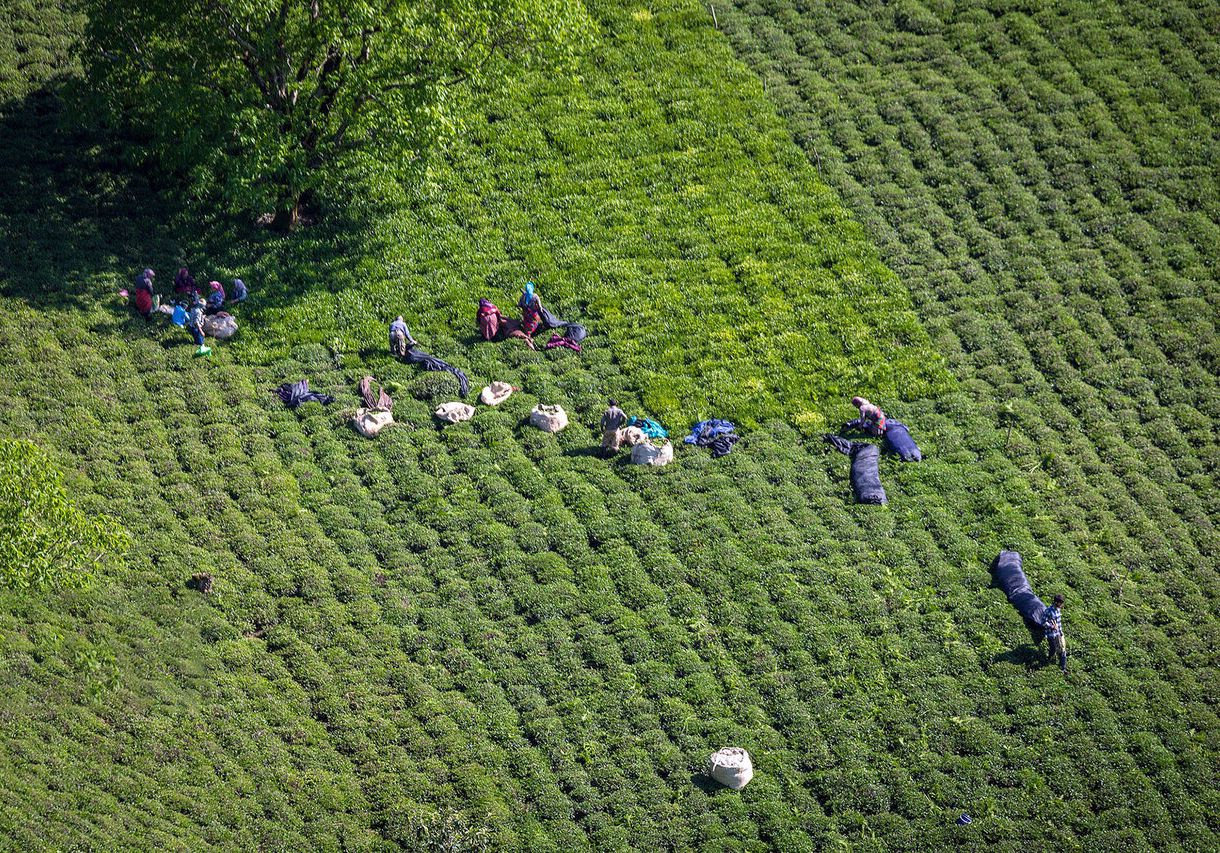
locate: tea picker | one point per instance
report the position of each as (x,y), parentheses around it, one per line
(400,336)
(403,346)
(612,421)
(145,300)
(871,420)
(1042,621)
(194,325)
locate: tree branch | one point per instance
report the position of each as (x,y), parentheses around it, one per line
(250,53)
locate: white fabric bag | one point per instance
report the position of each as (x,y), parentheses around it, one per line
(454,412)
(648,453)
(549,418)
(731,766)
(369,422)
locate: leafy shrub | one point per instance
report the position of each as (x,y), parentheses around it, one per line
(45,539)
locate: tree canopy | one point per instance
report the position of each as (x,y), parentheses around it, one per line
(267,100)
(46,540)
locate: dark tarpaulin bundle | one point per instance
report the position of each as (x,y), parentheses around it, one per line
(649,427)
(430,362)
(295,393)
(566,334)
(558,340)
(575,332)
(865,471)
(381,402)
(722,445)
(716,433)
(1010,577)
(898,440)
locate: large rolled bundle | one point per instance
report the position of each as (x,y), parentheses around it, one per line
(1010,577)
(731,766)
(631,436)
(865,474)
(454,412)
(549,418)
(647,453)
(898,440)
(496,393)
(369,422)
(221,326)
(575,332)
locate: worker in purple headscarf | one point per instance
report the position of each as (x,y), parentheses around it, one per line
(184,284)
(216,299)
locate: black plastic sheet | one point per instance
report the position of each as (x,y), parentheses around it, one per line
(1010,577)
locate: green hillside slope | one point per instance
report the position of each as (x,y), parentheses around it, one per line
(488,633)
(1044,181)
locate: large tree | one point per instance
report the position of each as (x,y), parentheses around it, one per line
(267,100)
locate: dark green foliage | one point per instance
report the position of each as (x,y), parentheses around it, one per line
(435,387)
(300,99)
(45,538)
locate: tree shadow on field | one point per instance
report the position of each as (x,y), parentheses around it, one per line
(68,209)
(80,221)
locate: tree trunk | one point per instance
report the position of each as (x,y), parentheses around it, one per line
(287,218)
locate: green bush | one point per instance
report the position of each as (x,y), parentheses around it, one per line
(45,538)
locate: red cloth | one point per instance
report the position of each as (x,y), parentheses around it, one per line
(531,316)
(488,319)
(144,302)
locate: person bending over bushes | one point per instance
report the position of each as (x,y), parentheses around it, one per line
(400,336)
(871,420)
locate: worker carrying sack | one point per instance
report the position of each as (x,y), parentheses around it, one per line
(731,766)
(549,418)
(647,453)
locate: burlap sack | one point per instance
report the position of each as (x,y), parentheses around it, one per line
(496,393)
(220,326)
(369,422)
(648,453)
(731,766)
(454,412)
(631,436)
(549,418)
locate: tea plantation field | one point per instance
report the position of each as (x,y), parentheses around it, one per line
(487,637)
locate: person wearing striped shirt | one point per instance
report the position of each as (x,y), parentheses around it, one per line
(1052,628)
